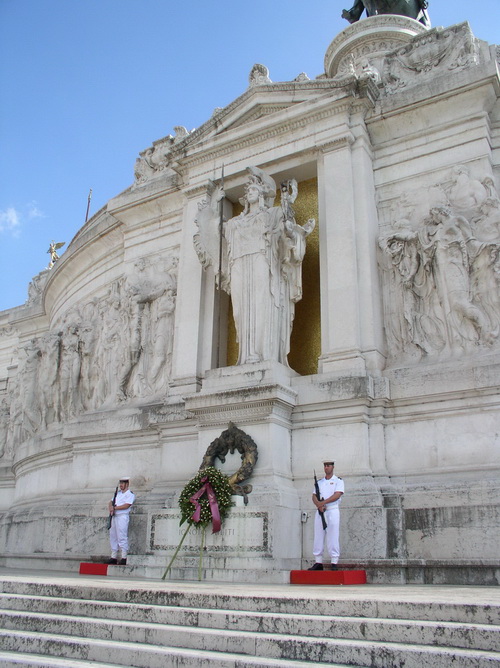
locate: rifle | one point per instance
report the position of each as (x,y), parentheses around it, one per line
(110,519)
(320,498)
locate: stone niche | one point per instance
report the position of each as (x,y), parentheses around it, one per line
(123,361)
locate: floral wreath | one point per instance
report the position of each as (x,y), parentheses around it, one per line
(206,498)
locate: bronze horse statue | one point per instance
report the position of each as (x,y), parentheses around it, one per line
(414,9)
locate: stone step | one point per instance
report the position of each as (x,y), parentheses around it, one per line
(285,651)
(13,659)
(176,594)
(447,634)
(87,652)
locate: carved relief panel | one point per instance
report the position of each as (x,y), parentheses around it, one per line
(111,349)
(441,270)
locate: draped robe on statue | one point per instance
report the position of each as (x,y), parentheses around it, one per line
(264,279)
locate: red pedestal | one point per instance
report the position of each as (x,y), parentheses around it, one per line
(93,569)
(328,577)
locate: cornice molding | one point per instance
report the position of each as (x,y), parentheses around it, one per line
(273,134)
(246,404)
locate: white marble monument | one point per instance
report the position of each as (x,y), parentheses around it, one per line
(372,338)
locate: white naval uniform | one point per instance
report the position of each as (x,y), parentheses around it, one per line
(118,533)
(332,516)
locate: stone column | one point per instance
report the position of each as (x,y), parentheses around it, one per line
(351,334)
(193,339)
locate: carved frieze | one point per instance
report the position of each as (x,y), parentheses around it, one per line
(243,405)
(111,349)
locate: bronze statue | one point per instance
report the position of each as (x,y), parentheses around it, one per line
(414,9)
(53,248)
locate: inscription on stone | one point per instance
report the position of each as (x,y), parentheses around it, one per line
(241,533)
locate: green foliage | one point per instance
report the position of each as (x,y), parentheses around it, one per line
(223,491)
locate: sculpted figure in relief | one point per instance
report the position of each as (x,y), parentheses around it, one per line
(89,333)
(262,249)
(69,371)
(109,349)
(466,194)
(28,387)
(442,275)
(138,290)
(150,306)
(487,223)
(4,424)
(49,367)
(450,249)
(110,346)
(414,9)
(162,330)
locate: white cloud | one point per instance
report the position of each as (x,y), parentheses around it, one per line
(10,220)
(34,211)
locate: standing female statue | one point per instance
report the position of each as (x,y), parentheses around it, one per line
(262,254)
(414,9)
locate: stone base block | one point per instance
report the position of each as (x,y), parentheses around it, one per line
(93,569)
(429,572)
(327,577)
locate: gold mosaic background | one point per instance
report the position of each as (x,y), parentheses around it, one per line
(305,343)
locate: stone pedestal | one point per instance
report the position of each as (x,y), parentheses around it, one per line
(264,534)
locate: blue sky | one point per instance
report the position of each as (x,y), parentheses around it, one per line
(87,84)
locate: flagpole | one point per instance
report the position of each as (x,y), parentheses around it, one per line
(219,309)
(88,205)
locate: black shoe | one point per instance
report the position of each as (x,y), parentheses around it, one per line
(123,562)
(334,567)
(316,567)
(113,561)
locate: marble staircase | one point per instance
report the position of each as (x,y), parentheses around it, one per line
(70,622)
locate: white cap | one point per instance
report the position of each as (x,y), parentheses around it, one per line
(125,478)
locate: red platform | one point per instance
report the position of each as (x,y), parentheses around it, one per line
(327,577)
(93,569)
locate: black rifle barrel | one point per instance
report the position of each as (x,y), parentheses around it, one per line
(320,498)
(110,518)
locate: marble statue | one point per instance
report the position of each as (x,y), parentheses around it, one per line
(415,9)
(262,249)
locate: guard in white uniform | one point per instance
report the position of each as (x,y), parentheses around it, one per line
(120,512)
(331,489)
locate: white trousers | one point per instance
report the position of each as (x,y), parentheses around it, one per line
(330,535)
(118,535)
